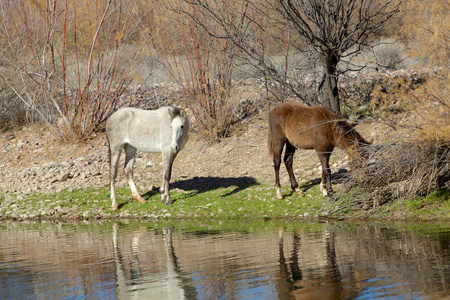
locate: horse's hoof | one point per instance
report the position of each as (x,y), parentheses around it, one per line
(299,193)
(280,197)
(139,199)
(115,207)
(169,203)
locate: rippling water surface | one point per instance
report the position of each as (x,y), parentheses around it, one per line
(267,260)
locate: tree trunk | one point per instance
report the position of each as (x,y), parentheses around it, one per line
(330,92)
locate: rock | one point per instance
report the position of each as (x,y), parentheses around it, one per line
(52,164)
(26,172)
(62,177)
(40,172)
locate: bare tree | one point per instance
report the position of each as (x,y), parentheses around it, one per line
(333,29)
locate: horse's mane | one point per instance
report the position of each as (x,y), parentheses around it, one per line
(176,112)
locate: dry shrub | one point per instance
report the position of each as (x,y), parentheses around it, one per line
(389,54)
(202,67)
(68,61)
(403,170)
(418,162)
(433,110)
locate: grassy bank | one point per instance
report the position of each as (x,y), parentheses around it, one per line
(248,200)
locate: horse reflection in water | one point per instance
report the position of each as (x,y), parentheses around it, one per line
(133,284)
(293,282)
(147,266)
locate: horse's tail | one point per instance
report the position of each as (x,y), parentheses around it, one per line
(109,150)
(269,141)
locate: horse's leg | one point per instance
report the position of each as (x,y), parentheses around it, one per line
(168,158)
(114,155)
(277,149)
(288,160)
(325,183)
(130,152)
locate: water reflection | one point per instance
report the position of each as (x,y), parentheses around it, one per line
(140,281)
(309,260)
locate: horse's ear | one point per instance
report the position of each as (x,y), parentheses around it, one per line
(353,124)
(175,112)
(354,121)
(171,112)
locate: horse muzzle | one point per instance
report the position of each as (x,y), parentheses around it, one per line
(175,147)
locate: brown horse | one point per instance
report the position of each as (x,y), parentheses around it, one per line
(300,126)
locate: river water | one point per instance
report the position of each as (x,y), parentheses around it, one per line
(224,260)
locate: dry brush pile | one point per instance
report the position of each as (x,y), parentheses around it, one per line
(417,161)
(403,170)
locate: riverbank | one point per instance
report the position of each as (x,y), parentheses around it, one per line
(214,198)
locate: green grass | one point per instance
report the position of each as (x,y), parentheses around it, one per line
(248,200)
(232,202)
(435,203)
(212,198)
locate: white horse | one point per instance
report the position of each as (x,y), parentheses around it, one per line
(164,130)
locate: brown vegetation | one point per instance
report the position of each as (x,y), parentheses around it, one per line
(64,60)
(401,170)
(418,163)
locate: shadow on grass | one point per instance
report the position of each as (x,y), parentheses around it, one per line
(336,178)
(123,204)
(198,185)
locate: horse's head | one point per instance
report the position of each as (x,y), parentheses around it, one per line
(180,128)
(359,153)
(355,144)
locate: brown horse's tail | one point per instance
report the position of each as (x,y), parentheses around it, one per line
(269,141)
